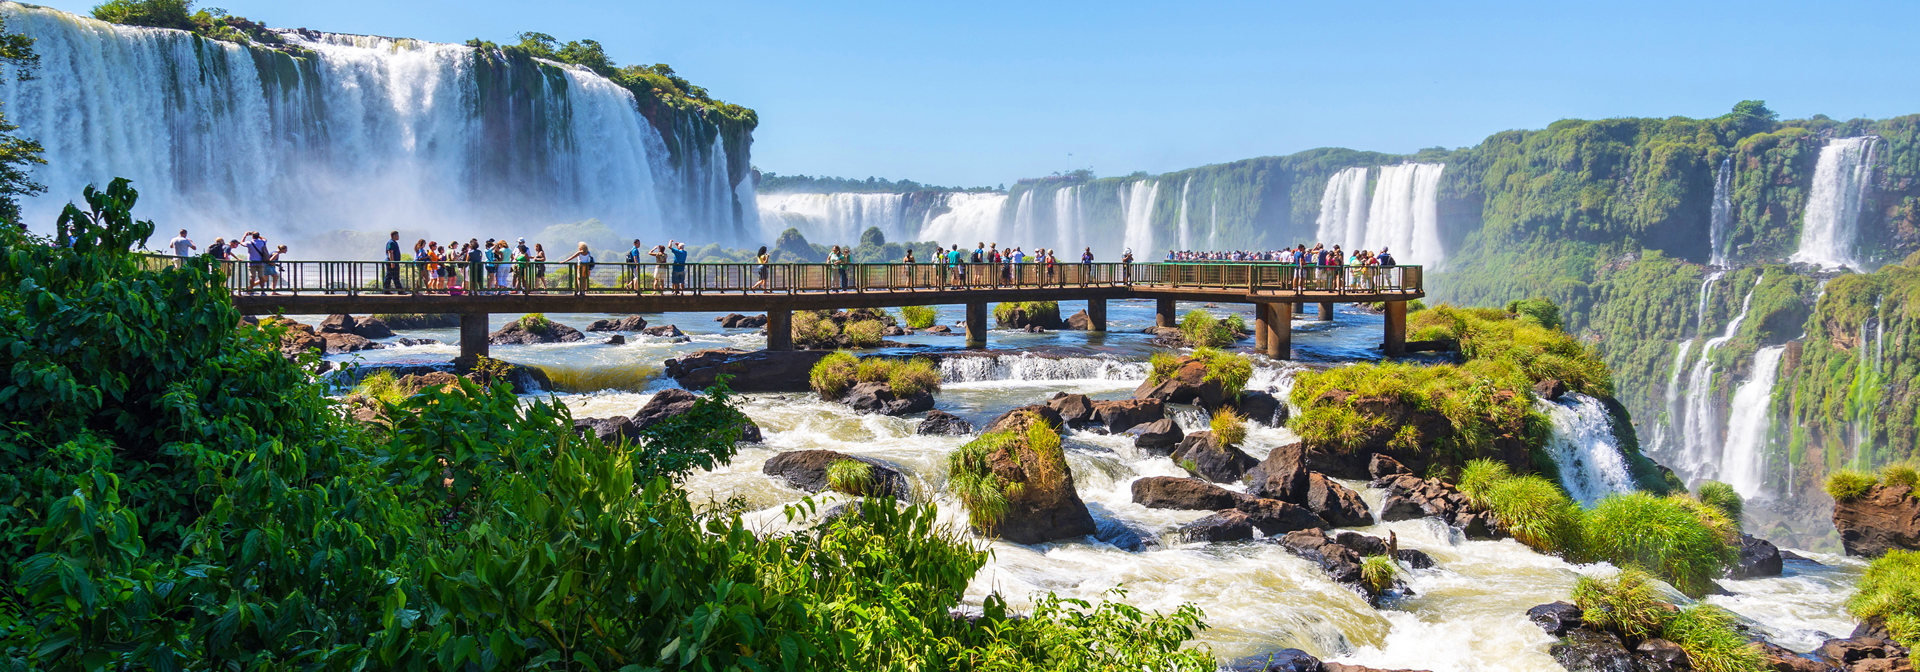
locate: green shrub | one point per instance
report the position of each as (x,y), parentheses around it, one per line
(1482,401)
(536,323)
(1536,513)
(1338,427)
(381,386)
(850,477)
(1723,498)
(1522,350)
(1900,473)
(1628,604)
(1847,484)
(1540,311)
(864,333)
(1890,591)
(1660,535)
(1230,369)
(919,317)
(1038,312)
(873,370)
(833,375)
(1163,366)
(912,377)
(1228,427)
(1235,323)
(1203,331)
(971,479)
(1706,633)
(1377,574)
(1479,475)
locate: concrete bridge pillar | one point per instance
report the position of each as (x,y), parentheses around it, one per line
(1298,309)
(779,329)
(1163,313)
(1261,315)
(977,324)
(473,340)
(1096,314)
(1279,331)
(1396,336)
(1326,311)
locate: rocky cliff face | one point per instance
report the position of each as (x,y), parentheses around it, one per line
(1883,519)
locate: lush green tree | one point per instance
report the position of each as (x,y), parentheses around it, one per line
(176,14)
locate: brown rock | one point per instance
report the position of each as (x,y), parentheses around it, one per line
(1080,321)
(337,324)
(1187,385)
(1157,435)
(337,343)
(1381,466)
(1883,519)
(757,371)
(807,470)
(1282,476)
(942,423)
(632,323)
(1780,659)
(1227,525)
(674,401)
(666,330)
(516,333)
(1210,460)
(1168,492)
(1045,506)
(1274,517)
(1123,414)
(1074,409)
(1340,562)
(1337,503)
(1010,420)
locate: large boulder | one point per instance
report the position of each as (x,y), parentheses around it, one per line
(1186,385)
(517,333)
(1074,409)
(1261,407)
(341,343)
(337,324)
(942,423)
(1169,492)
(1225,525)
(1123,414)
(1429,427)
(1273,517)
(1409,497)
(1338,504)
(372,327)
(1282,475)
(1080,321)
(1338,561)
(674,401)
(879,398)
(1284,660)
(1162,434)
(1557,618)
(758,371)
(1044,506)
(1780,659)
(1202,455)
(1883,519)
(664,331)
(1758,558)
(633,323)
(807,470)
(1589,650)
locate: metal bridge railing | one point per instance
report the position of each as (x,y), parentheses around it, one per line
(460,278)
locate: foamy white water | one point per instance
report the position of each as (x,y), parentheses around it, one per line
(1749,419)
(1722,215)
(1829,233)
(1591,463)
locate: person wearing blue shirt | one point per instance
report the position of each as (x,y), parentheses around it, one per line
(633,266)
(679,251)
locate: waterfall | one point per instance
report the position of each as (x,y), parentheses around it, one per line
(1031,367)
(1405,214)
(1706,292)
(1828,233)
(1185,238)
(1137,211)
(1722,213)
(970,218)
(1213,230)
(1067,220)
(1701,427)
(1591,463)
(1867,380)
(1742,460)
(1671,424)
(834,218)
(369,134)
(1023,224)
(1343,209)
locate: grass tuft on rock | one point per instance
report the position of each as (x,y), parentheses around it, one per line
(1629,604)
(833,375)
(1202,330)
(1706,633)
(1890,591)
(919,317)
(1722,497)
(1478,477)
(1847,484)
(864,333)
(1229,428)
(1662,535)
(1231,370)
(1900,473)
(535,323)
(1377,574)
(850,477)
(1038,312)
(1536,512)
(837,373)
(382,386)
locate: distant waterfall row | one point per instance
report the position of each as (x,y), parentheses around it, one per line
(1402,214)
(371,134)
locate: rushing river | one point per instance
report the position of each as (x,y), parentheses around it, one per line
(1466,613)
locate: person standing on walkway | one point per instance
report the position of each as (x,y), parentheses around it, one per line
(1126,266)
(763,270)
(390,280)
(1086,266)
(659,254)
(182,247)
(679,251)
(583,270)
(634,255)
(539,267)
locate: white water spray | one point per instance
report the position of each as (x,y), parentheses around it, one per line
(1186,241)
(1138,213)
(1343,209)
(1404,216)
(1743,459)
(1591,463)
(834,218)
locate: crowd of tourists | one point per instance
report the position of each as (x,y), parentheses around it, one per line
(263,270)
(1299,255)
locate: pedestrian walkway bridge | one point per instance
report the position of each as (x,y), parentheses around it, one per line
(325,287)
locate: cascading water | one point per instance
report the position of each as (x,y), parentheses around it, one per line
(1700,310)
(1829,232)
(1186,238)
(370,133)
(1722,216)
(1591,463)
(1029,367)
(1023,223)
(1404,216)
(1343,209)
(1213,230)
(834,218)
(1662,437)
(1068,223)
(1743,459)
(1701,428)
(970,218)
(1137,210)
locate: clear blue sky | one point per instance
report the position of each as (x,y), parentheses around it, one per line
(987,92)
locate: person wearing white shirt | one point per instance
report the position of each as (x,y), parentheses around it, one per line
(182,247)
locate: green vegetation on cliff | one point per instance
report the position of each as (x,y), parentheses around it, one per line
(1890,592)
(772,183)
(1850,386)
(211,23)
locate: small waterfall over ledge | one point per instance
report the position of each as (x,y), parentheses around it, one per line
(1701,430)
(1742,460)
(1029,367)
(1829,233)
(1591,463)
(1722,216)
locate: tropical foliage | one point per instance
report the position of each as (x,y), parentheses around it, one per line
(1629,606)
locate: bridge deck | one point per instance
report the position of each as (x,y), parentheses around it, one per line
(325,287)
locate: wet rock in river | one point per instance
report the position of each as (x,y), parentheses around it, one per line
(1124,414)
(757,371)
(674,401)
(1282,475)
(1202,455)
(1284,660)
(807,470)
(1338,504)
(1171,492)
(1758,557)
(633,323)
(1074,409)
(1273,517)
(880,398)
(942,423)
(1225,525)
(1157,435)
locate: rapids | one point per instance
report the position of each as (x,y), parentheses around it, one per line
(1466,613)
